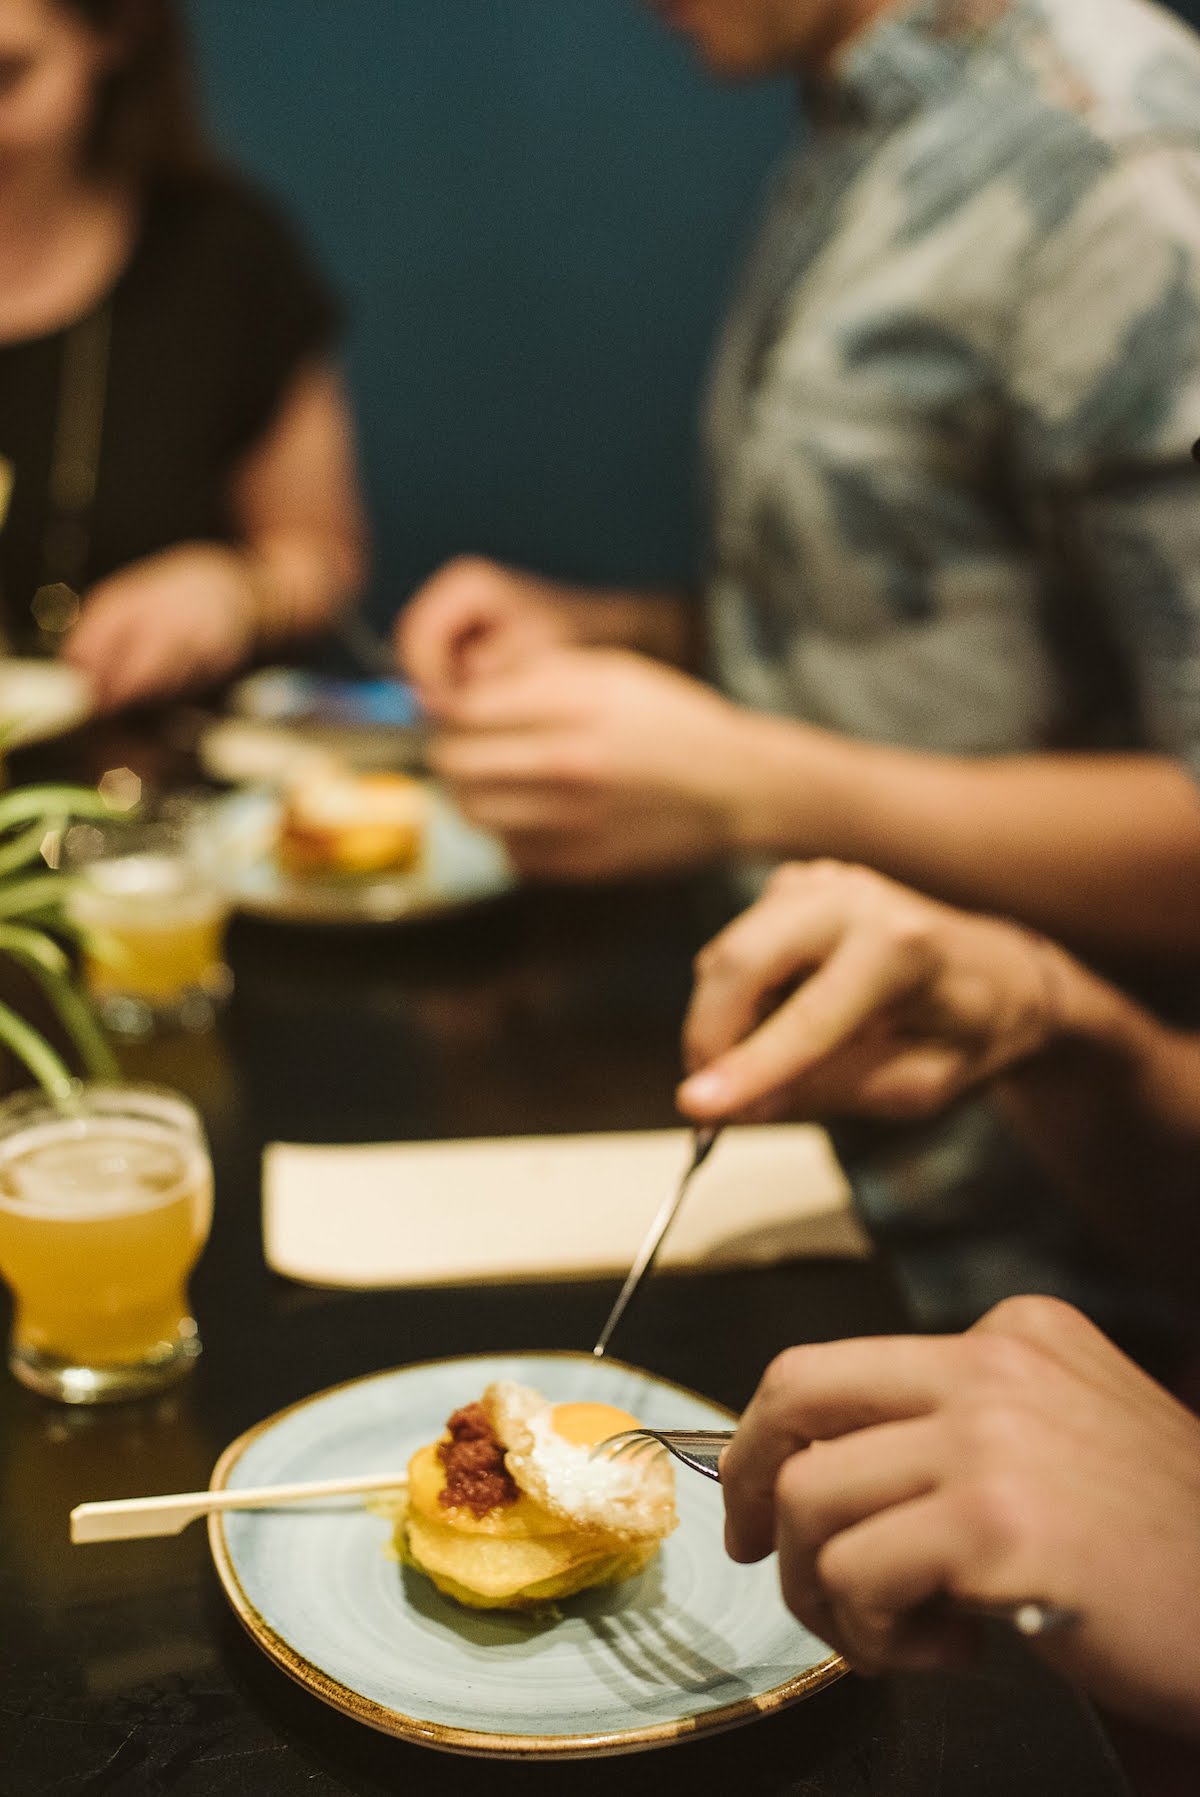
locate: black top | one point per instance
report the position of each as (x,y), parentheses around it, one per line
(216,311)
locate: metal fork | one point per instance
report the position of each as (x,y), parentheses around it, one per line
(700,1449)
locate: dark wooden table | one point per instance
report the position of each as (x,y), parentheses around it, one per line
(121,1670)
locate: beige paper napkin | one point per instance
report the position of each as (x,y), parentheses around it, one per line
(549,1207)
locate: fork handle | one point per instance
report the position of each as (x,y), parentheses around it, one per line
(1031,1617)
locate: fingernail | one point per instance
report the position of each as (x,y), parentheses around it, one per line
(704,1090)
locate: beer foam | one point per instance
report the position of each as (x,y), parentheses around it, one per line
(143,890)
(82,1169)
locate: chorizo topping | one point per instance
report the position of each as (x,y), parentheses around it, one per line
(473,1458)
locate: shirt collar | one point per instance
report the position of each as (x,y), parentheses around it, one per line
(905,60)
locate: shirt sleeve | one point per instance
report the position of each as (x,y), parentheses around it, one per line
(287,314)
(1104,375)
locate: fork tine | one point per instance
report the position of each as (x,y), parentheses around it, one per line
(694,1448)
(643,1449)
(631,1444)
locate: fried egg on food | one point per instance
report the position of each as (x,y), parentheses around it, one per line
(509,1511)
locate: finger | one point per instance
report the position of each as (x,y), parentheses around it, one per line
(836,1086)
(95,638)
(831,1486)
(872,1640)
(834,1484)
(931,1637)
(443,615)
(1065,1338)
(815,1394)
(510,704)
(764,950)
(143,671)
(876,1574)
(103,651)
(546,689)
(541,813)
(489,654)
(560,856)
(865,975)
(493,758)
(916,1082)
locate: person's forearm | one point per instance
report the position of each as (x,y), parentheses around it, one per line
(1099,850)
(660,624)
(1112,1108)
(301,584)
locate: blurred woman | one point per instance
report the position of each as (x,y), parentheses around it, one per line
(184,491)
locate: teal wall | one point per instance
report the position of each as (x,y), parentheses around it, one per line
(531,209)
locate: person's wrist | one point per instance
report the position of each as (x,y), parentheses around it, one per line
(1078,1010)
(734,769)
(253,591)
(795,792)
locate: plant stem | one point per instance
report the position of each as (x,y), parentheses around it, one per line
(29,802)
(51,1073)
(49,966)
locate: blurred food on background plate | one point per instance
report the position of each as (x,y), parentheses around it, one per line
(335,821)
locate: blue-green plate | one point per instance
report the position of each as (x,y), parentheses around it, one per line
(459,866)
(694,1644)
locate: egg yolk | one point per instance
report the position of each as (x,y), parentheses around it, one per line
(586,1424)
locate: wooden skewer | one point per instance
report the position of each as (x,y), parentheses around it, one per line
(131,1519)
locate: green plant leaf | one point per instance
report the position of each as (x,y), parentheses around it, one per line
(18,851)
(41,892)
(27,802)
(49,966)
(34,949)
(51,1073)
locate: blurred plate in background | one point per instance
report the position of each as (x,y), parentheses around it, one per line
(40,699)
(459,866)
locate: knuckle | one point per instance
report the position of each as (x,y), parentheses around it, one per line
(792,1483)
(826,868)
(907,934)
(1037,1317)
(918,1097)
(993,1434)
(784,1375)
(997,1514)
(837,1572)
(789,878)
(705,959)
(1000,1362)
(718,957)
(870,1639)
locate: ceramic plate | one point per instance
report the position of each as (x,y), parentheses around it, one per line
(694,1644)
(40,699)
(460,866)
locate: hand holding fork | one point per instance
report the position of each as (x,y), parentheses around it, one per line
(700,1450)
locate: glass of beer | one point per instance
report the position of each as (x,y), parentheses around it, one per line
(154,915)
(105,1205)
